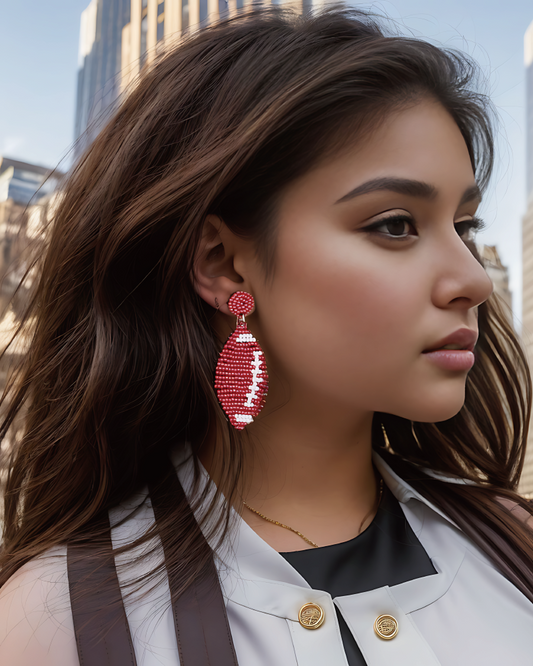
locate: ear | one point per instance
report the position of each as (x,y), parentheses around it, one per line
(214,276)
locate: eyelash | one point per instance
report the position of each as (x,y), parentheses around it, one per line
(473,225)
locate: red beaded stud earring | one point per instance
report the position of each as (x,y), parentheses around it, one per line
(241,379)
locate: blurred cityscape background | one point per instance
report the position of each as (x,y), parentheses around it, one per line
(55,101)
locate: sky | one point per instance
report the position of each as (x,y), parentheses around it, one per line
(39,60)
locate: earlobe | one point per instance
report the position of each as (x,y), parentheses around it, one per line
(214,275)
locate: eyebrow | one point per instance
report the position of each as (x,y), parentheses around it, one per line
(413,188)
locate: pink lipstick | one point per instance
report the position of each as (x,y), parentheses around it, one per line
(454,352)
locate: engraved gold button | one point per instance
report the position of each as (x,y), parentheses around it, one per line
(386,627)
(311,616)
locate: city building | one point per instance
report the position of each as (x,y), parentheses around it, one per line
(157,23)
(526,485)
(117,37)
(27,195)
(499,274)
(21,182)
(24,189)
(99,66)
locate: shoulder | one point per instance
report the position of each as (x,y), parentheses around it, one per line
(35,618)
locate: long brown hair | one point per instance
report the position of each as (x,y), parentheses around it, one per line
(122,353)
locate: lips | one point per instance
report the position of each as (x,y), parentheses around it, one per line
(463,339)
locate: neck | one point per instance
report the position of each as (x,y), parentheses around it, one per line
(310,467)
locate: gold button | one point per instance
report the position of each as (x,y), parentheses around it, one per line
(386,627)
(311,616)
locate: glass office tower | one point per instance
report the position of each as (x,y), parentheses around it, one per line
(100,55)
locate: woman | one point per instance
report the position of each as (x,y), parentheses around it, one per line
(365,510)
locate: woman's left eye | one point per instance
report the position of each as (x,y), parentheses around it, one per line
(397,226)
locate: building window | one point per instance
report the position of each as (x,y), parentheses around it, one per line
(144,30)
(184,15)
(203,10)
(126,12)
(240,4)
(144,35)
(223,8)
(160,21)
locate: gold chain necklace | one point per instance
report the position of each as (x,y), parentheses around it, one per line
(291,529)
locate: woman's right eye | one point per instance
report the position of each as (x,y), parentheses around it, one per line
(398,227)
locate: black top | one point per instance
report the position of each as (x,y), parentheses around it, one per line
(386,553)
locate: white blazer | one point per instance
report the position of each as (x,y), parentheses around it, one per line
(466,614)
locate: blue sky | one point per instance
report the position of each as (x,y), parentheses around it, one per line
(39,53)
(38,64)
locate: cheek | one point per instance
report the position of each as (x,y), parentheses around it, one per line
(341,318)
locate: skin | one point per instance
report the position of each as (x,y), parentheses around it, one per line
(346,317)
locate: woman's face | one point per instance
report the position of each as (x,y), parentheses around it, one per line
(372,271)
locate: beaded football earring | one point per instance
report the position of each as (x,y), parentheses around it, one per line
(241,379)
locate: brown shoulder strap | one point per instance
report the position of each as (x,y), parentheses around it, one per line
(100,624)
(102,632)
(202,627)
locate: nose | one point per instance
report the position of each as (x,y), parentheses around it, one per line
(461,281)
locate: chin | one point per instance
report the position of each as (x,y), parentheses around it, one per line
(433,409)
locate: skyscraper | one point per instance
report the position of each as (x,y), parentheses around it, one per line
(100,64)
(156,23)
(117,37)
(526,484)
